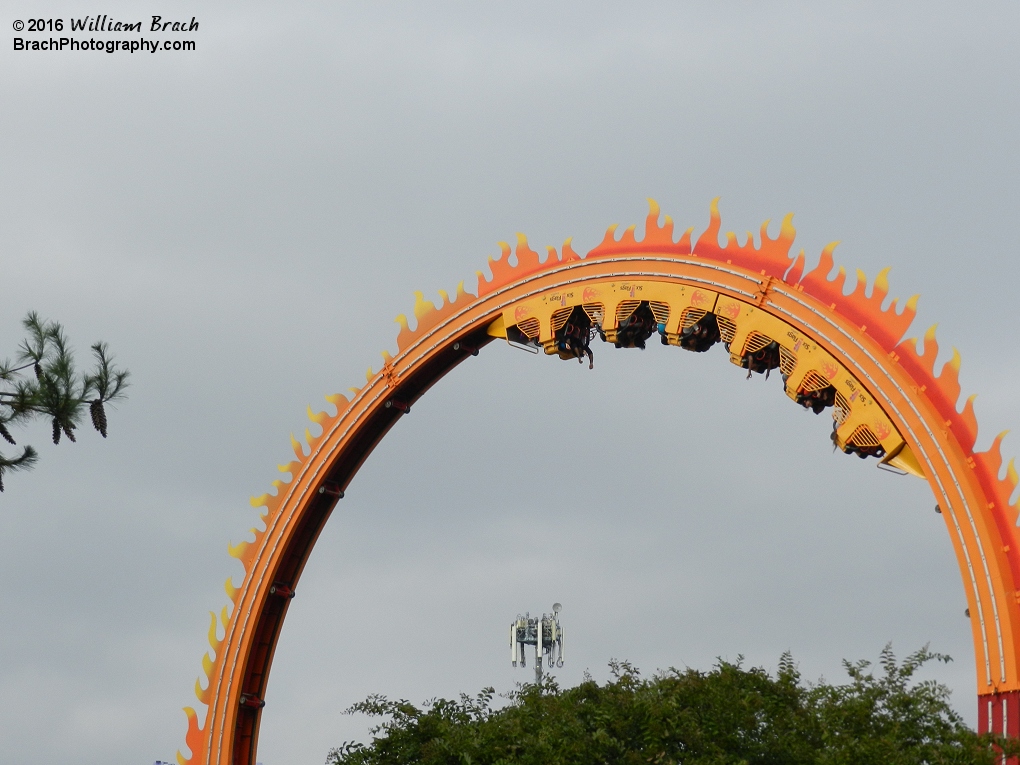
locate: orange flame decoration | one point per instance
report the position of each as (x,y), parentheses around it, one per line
(196,737)
(771,258)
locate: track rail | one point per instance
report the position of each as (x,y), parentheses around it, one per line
(852,328)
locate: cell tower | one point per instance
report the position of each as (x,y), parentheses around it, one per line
(542,632)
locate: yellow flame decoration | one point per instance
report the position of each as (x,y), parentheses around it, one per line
(770,257)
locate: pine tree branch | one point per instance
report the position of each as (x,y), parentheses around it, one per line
(6,371)
(26,461)
(107,381)
(56,390)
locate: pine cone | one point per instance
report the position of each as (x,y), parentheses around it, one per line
(7,436)
(56,431)
(38,371)
(98,412)
(69,432)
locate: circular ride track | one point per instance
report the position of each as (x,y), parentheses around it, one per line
(838,352)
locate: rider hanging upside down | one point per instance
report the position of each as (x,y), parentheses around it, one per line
(763,360)
(636,328)
(574,337)
(817,400)
(701,336)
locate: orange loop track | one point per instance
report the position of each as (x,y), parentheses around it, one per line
(763,284)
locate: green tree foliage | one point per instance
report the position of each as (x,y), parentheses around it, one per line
(729,715)
(54,390)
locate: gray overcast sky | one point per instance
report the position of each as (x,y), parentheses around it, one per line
(242,223)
